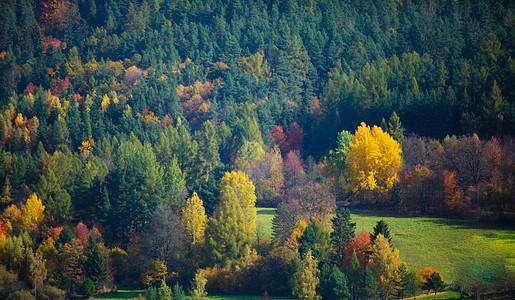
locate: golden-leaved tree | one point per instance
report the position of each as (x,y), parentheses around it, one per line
(194,218)
(32,212)
(372,163)
(384,263)
(234,222)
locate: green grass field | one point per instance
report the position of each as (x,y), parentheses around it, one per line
(264,218)
(445,244)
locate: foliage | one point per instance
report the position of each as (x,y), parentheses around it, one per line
(87,288)
(342,234)
(156,270)
(198,285)
(233,224)
(373,161)
(384,264)
(306,279)
(193,218)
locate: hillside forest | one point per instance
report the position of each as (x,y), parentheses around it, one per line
(137,139)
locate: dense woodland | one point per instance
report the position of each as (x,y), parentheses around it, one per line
(138,137)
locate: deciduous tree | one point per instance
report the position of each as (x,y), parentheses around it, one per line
(194,219)
(373,161)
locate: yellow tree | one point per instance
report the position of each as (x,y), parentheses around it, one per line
(307,280)
(32,212)
(234,222)
(194,218)
(372,163)
(384,263)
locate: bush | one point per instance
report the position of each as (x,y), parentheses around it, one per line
(87,288)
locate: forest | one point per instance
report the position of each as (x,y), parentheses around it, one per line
(138,139)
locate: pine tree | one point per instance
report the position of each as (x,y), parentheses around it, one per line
(343,232)
(198,286)
(333,283)
(369,287)
(94,264)
(164,292)
(381,228)
(208,150)
(395,128)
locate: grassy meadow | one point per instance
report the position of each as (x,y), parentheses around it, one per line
(445,244)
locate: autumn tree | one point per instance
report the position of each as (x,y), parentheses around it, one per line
(384,263)
(193,218)
(306,279)
(233,224)
(198,286)
(32,212)
(373,160)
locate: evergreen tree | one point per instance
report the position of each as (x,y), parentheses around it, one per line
(395,128)
(381,228)
(333,283)
(369,287)
(343,232)
(315,240)
(94,264)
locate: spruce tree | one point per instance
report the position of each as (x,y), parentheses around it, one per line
(381,228)
(369,287)
(94,264)
(342,234)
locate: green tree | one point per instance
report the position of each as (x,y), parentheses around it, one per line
(395,128)
(94,264)
(383,229)
(434,282)
(342,234)
(208,155)
(198,286)
(164,292)
(369,287)
(135,189)
(87,288)
(408,284)
(333,283)
(315,240)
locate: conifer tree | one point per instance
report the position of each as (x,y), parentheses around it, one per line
(233,224)
(369,287)
(342,234)
(395,128)
(383,229)
(94,264)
